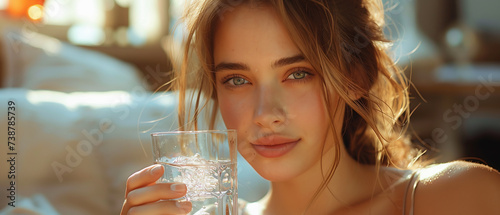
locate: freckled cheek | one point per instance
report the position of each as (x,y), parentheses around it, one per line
(232,111)
(235,114)
(307,107)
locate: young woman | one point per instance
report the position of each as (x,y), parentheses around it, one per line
(320,110)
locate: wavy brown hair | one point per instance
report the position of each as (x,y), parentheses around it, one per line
(343,40)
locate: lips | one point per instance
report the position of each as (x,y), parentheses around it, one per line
(274,145)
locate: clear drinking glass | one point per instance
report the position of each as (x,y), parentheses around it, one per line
(206,162)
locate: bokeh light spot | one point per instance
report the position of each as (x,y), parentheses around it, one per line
(35,12)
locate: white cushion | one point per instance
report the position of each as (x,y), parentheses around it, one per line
(39,62)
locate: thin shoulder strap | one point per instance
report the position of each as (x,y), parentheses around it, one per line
(413,185)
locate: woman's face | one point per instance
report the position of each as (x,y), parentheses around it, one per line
(269,93)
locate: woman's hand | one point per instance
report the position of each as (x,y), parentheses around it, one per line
(143,194)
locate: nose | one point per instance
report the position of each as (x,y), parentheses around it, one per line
(269,110)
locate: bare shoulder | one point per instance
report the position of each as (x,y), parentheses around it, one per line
(458,187)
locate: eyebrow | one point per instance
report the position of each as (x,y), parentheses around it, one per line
(288,60)
(231,66)
(241,66)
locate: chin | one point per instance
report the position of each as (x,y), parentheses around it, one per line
(276,176)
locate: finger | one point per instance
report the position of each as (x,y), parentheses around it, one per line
(155,192)
(144,177)
(162,207)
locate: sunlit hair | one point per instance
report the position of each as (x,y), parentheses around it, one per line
(344,42)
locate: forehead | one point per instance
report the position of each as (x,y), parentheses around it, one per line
(249,32)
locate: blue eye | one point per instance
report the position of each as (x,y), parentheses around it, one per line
(236,81)
(298,75)
(239,81)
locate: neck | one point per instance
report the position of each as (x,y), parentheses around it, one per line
(351,183)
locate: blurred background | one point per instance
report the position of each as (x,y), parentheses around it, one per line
(89,60)
(450,49)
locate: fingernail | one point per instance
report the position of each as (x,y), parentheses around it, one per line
(155,170)
(185,206)
(177,187)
